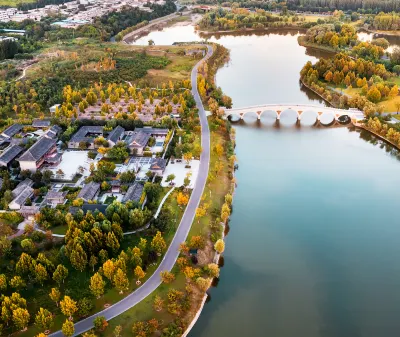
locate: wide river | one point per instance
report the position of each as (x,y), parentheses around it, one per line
(314,244)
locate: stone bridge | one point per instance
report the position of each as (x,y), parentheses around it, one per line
(299,109)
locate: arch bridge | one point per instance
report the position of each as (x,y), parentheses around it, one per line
(279,109)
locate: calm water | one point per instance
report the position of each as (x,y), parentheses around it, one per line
(313,248)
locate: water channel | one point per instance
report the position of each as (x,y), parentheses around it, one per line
(313,248)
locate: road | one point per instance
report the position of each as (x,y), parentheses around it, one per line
(180,236)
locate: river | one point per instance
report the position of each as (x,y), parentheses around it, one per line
(313,248)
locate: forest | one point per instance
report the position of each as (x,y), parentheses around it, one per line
(389,21)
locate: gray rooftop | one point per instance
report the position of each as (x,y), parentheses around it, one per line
(89,191)
(134,193)
(38,150)
(138,139)
(158,164)
(41,123)
(55,195)
(21,186)
(82,134)
(9,155)
(152,131)
(25,194)
(115,134)
(53,131)
(12,130)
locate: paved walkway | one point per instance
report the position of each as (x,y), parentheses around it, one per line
(180,236)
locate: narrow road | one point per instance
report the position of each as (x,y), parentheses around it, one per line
(180,236)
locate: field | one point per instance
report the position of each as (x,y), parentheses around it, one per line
(14,3)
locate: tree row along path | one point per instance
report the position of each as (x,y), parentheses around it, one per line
(183,229)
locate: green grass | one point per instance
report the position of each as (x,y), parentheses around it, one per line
(59,230)
(14,3)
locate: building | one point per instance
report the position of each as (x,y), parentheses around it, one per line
(41,123)
(36,155)
(137,141)
(21,194)
(89,191)
(9,155)
(54,198)
(116,135)
(85,136)
(158,166)
(12,130)
(53,132)
(53,108)
(133,193)
(28,212)
(115,186)
(154,132)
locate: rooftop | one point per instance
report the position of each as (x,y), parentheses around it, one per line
(55,195)
(21,186)
(116,134)
(89,191)
(9,155)
(41,123)
(158,164)
(138,139)
(12,130)
(38,150)
(134,193)
(81,134)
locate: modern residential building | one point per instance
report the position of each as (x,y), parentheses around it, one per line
(89,191)
(85,137)
(9,155)
(36,155)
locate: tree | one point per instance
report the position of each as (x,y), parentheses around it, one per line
(97,285)
(55,295)
(374,95)
(158,243)
(109,269)
(187,157)
(112,242)
(21,318)
(182,199)
(40,273)
(202,283)
(100,323)
(219,246)
(197,242)
(121,282)
(44,319)
(158,303)
(328,76)
(68,328)
(117,331)
(213,269)
(68,306)
(139,273)
(85,306)
(167,277)
(17,282)
(3,282)
(136,256)
(394,91)
(93,262)
(5,245)
(60,274)
(78,258)
(170,178)
(28,246)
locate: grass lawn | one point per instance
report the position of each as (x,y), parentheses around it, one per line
(14,3)
(59,230)
(109,200)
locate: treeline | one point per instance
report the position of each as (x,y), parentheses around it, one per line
(390,21)
(333,35)
(8,48)
(343,70)
(368,6)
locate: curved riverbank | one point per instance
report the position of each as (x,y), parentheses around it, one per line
(250,30)
(364,127)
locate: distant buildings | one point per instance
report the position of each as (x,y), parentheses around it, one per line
(36,155)
(21,193)
(85,136)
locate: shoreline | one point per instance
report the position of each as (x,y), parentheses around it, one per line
(249,30)
(362,126)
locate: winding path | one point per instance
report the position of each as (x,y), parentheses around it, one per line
(172,254)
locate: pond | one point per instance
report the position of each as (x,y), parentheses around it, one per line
(313,247)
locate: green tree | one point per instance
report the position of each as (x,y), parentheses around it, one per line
(112,242)
(40,273)
(78,258)
(17,282)
(3,282)
(100,323)
(158,243)
(55,295)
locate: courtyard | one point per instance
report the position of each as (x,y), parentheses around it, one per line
(70,165)
(180,172)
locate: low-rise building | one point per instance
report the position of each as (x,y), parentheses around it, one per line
(89,191)
(28,212)
(54,198)
(116,135)
(85,137)
(21,194)
(115,186)
(12,130)
(158,166)
(137,141)
(41,123)
(133,193)
(53,132)
(9,155)
(36,155)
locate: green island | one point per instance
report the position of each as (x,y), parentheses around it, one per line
(102,157)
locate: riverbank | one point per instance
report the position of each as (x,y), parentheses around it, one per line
(250,30)
(364,127)
(304,43)
(382,33)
